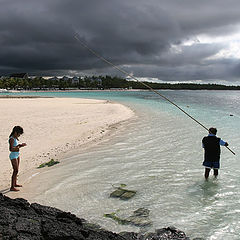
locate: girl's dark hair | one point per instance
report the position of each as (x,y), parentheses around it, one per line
(16,129)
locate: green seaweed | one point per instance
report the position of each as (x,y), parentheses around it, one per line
(122,185)
(52,162)
(42,165)
(139,218)
(49,164)
(116,218)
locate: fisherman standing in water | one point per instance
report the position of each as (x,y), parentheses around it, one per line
(211,145)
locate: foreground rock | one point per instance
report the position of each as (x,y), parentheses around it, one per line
(21,220)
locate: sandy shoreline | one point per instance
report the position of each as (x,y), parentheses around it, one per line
(54,128)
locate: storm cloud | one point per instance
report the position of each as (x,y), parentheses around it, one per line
(154,38)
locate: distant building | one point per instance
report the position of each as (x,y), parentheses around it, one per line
(75,80)
(96,80)
(19,75)
(65,79)
(99,81)
(53,79)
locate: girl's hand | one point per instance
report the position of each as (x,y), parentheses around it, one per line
(23,145)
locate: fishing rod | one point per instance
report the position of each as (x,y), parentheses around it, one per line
(144,84)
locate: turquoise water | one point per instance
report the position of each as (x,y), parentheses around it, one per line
(158,154)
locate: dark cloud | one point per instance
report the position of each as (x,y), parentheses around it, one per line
(144,37)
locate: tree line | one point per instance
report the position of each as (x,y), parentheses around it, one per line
(99,82)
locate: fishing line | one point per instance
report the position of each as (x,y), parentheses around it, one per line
(144,84)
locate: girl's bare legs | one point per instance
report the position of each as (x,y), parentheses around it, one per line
(14,175)
(18,162)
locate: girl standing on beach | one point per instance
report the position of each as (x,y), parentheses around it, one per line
(14,155)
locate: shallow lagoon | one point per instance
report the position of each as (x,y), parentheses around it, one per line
(158,154)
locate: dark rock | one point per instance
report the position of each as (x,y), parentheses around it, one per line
(170,233)
(21,220)
(7,216)
(54,229)
(19,203)
(44,210)
(160,234)
(130,235)
(27,236)
(28,225)
(68,217)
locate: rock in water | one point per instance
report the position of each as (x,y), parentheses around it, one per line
(127,195)
(117,193)
(139,218)
(123,194)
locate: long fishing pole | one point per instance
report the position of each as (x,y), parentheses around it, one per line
(144,84)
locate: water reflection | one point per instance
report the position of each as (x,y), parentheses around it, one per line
(205,192)
(209,190)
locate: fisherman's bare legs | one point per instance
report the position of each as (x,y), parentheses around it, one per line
(207,171)
(215,172)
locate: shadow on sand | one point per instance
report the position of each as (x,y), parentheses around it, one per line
(4,191)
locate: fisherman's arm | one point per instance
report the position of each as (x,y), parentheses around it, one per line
(222,143)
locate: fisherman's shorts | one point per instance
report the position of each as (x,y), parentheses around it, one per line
(14,155)
(214,165)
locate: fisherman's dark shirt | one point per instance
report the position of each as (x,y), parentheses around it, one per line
(211,144)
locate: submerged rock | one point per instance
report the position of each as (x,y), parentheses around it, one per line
(21,220)
(139,218)
(127,195)
(117,193)
(123,194)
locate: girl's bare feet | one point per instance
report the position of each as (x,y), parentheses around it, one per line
(17,185)
(14,189)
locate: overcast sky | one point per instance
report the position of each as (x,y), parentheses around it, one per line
(169,40)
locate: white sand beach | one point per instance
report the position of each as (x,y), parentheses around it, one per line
(53,128)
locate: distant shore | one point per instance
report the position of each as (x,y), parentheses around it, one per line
(105,82)
(19,96)
(53,128)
